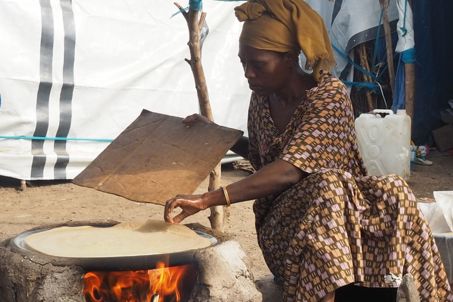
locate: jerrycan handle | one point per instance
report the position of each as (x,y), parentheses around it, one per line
(382,112)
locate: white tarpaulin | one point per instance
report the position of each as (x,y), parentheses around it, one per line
(352,22)
(82,70)
(405,26)
(85,69)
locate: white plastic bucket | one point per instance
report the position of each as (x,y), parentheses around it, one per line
(384,142)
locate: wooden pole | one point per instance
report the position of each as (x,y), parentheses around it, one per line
(364,62)
(388,44)
(195,22)
(409,84)
(23,185)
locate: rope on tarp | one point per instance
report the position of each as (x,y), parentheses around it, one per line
(196,5)
(378,39)
(356,66)
(368,85)
(405,57)
(374,86)
(56,138)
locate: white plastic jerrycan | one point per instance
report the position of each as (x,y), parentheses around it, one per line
(384,142)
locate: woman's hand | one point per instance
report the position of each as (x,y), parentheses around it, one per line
(192,119)
(189,204)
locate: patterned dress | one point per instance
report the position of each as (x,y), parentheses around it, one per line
(337,226)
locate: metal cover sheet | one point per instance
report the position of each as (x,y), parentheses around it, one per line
(157,157)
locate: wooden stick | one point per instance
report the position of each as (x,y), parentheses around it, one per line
(364,62)
(409,84)
(195,23)
(388,44)
(23,185)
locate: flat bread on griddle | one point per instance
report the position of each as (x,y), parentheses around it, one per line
(125,239)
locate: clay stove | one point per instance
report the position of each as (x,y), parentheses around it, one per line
(216,273)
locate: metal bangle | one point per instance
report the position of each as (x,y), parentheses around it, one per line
(227,196)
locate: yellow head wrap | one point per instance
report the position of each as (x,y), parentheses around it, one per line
(285,25)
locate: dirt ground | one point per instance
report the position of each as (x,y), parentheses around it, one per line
(49,202)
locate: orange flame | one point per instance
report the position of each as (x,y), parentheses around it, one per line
(152,285)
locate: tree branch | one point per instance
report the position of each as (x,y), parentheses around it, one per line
(195,23)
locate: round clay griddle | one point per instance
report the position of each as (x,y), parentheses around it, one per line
(18,245)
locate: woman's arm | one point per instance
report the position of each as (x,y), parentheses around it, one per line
(272,178)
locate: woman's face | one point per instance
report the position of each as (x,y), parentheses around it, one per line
(266,71)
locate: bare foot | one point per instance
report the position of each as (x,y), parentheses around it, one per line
(330,297)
